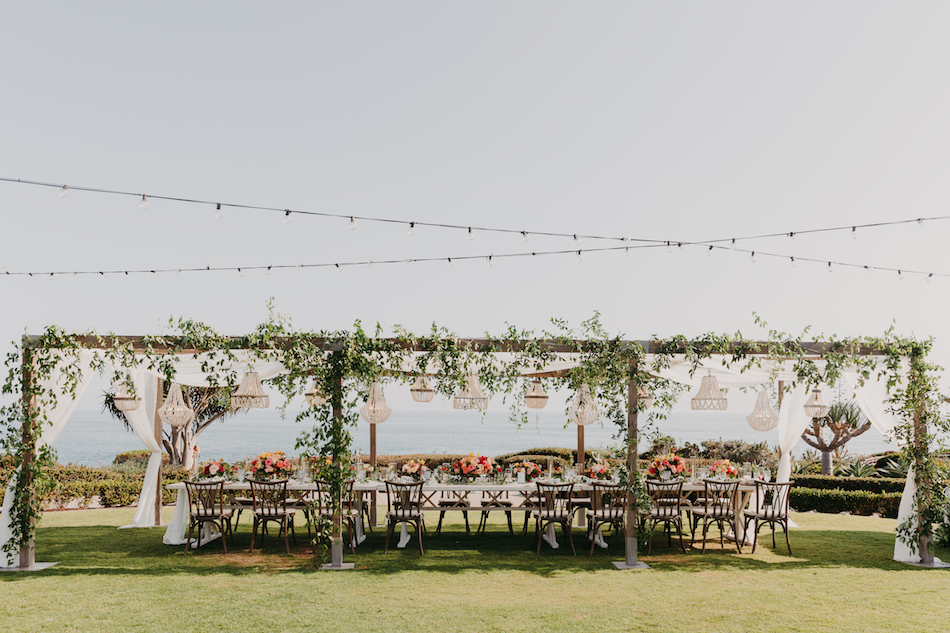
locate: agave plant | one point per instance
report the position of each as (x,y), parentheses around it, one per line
(855,468)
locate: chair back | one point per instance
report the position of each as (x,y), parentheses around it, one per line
(320,498)
(608,500)
(270,497)
(352,499)
(403,500)
(720,497)
(667,497)
(555,500)
(205,498)
(773,498)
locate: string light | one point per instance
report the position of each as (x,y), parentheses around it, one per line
(489,260)
(733,246)
(900,275)
(928,277)
(669,247)
(240,274)
(830,269)
(791,237)
(268,271)
(920,222)
(352,223)
(287,216)
(709,252)
(752,258)
(577,242)
(679,246)
(412,228)
(218,212)
(370,264)
(524,236)
(64,191)
(626,251)
(794,264)
(580,257)
(471,236)
(450,262)
(144,203)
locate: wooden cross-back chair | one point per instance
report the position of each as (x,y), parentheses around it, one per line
(555,505)
(608,507)
(271,506)
(772,508)
(719,507)
(404,505)
(666,507)
(206,505)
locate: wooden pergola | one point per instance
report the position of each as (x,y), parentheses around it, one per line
(641,349)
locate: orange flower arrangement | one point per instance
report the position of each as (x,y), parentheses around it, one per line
(672,463)
(274,465)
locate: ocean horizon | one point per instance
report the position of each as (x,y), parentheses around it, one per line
(93,438)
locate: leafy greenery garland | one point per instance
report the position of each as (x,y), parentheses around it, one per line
(344,364)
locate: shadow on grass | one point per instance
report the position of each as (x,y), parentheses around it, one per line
(104,550)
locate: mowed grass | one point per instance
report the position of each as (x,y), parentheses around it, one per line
(841,578)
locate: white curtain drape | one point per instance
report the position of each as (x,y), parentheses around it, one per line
(57,417)
(142,422)
(792,421)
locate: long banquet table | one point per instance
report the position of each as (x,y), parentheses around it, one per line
(432,493)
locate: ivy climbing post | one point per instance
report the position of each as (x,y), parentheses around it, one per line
(630,521)
(25,484)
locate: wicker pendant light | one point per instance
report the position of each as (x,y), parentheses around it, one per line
(644,397)
(763,417)
(815,406)
(709,397)
(583,411)
(124,401)
(471,397)
(175,412)
(375,411)
(315,397)
(250,395)
(536,398)
(421,390)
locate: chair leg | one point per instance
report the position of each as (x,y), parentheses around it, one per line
(468,530)
(569,533)
(592,531)
(286,530)
(679,530)
(773,535)
(188,540)
(511,529)
(389,532)
(538,528)
(650,544)
(419,536)
(735,532)
(253,534)
(438,528)
(705,530)
(787,542)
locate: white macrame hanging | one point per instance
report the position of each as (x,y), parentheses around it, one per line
(763,417)
(815,406)
(375,411)
(644,397)
(471,397)
(250,395)
(583,411)
(536,398)
(421,390)
(125,401)
(709,397)
(175,412)
(315,397)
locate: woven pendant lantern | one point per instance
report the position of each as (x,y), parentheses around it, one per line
(644,397)
(536,398)
(375,411)
(583,411)
(471,397)
(815,406)
(250,395)
(763,417)
(709,397)
(175,412)
(124,401)
(315,397)
(421,390)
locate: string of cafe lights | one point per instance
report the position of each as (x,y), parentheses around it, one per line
(469,230)
(626,247)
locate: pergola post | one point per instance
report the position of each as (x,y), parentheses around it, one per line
(630,521)
(158,438)
(28,551)
(372,462)
(924,544)
(336,548)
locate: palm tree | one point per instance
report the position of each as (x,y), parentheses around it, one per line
(844,421)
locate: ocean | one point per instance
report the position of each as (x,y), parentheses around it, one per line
(92,438)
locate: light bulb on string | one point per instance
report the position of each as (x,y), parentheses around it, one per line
(626,251)
(577,242)
(791,237)
(240,273)
(268,271)
(408,261)
(471,236)
(733,245)
(64,191)
(144,203)
(524,236)
(854,232)
(450,262)
(794,264)
(830,269)
(868,269)
(177,270)
(669,247)
(900,275)
(370,264)
(752,258)
(679,246)
(580,257)
(287,216)
(489,260)
(352,223)
(929,277)
(709,251)
(920,222)
(412,228)
(218,212)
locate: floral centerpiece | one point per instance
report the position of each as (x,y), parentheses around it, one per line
(531,470)
(723,468)
(666,466)
(274,465)
(215,468)
(414,469)
(600,472)
(475,465)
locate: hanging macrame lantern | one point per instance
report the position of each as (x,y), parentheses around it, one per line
(583,411)
(644,397)
(763,417)
(375,411)
(175,412)
(536,398)
(315,397)
(421,390)
(709,397)
(815,406)
(124,401)
(250,395)
(471,397)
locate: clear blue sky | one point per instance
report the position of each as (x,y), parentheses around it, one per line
(681,121)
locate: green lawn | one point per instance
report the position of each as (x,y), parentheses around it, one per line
(840,579)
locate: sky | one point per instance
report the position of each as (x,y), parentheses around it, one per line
(677,121)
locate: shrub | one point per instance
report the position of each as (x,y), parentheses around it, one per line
(859,502)
(138,457)
(566,454)
(868,484)
(431,460)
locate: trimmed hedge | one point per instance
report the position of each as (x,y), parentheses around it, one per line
(859,502)
(565,454)
(869,484)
